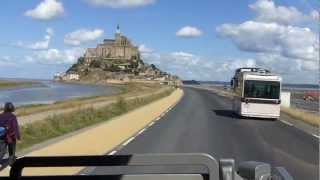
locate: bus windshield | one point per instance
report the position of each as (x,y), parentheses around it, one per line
(262,89)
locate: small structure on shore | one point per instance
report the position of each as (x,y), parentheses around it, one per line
(114,60)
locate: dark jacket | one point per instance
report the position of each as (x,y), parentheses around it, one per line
(9,120)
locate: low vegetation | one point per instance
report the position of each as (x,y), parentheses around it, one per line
(4,84)
(308,117)
(58,125)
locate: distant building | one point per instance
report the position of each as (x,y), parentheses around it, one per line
(118,48)
(113,60)
(72,76)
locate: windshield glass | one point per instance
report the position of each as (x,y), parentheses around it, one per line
(262,89)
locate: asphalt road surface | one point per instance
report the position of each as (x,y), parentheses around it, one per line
(203,122)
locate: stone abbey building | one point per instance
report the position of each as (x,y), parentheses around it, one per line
(113,60)
(119,48)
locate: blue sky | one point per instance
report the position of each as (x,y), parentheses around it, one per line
(203,40)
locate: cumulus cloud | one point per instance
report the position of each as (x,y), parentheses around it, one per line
(280,40)
(232,65)
(189,32)
(144,49)
(56,56)
(267,11)
(191,66)
(121,3)
(82,36)
(39,45)
(315,15)
(46,10)
(289,41)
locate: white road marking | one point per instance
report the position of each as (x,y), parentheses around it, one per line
(141,131)
(286,122)
(128,141)
(158,118)
(317,136)
(151,124)
(112,152)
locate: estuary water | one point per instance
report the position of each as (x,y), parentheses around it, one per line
(47,92)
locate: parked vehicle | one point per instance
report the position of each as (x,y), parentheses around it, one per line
(311,96)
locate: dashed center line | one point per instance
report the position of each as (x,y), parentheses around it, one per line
(286,122)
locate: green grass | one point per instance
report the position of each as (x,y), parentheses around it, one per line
(61,124)
(4,84)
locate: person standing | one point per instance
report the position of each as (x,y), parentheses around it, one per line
(9,121)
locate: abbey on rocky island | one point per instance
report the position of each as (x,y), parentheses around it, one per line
(114,60)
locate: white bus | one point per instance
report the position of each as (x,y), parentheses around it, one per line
(257,93)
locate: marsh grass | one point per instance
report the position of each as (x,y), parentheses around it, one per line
(308,117)
(4,84)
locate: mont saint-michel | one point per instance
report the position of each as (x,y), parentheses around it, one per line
(114,60)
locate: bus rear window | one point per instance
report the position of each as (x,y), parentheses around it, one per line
(262,89)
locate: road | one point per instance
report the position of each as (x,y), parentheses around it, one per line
(203,122)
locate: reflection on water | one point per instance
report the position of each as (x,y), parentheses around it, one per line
(51,92)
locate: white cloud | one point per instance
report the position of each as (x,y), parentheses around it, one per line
(267,11)
(121,3)
(231,66)
(39,45)
(50,31)
(191,66)
(56,56)
(315,15)
(144,49)
(6,61)
(82,36)
(310,65)
(189,32)
(280,41)
(289,41)
(46,10)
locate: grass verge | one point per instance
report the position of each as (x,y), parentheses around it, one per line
(310,118)
(55,126)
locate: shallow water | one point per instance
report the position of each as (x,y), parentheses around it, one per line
(49,92)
